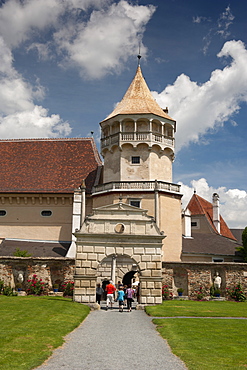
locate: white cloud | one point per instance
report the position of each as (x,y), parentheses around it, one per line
(200,19)
(224,22)
(201,108)
(233,202)
(20,19)
(19,116)
(104,43)
(95,36)
(221,27)
(33,123)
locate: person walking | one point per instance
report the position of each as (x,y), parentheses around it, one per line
(110,289)
(120,298)
(130,294)
(99,292)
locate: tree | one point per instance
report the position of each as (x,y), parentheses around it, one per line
(243,248)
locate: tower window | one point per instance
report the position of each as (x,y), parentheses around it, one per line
(193,224)
(3,212)
(135,203)
(135,160)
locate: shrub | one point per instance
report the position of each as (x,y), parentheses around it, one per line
(7,290)
(35,286)
(212,291)
(236,293)
(165,292)
(199,294)
(217,292)
(21,253)
(1,285)
(67,288)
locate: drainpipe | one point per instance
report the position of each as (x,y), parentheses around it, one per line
(113,269)
(156,203)
(78,217)
(216,212)
(83,202)
(187,223)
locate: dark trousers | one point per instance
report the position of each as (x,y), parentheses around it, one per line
(129,303)
(98,298)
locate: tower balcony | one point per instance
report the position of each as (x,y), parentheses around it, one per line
(136,186)
(134,138)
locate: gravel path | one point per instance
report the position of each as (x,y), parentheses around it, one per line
(109,340)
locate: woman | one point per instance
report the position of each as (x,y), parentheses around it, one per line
(129,294)
(99,292)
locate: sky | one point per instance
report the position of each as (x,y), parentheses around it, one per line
(64,64)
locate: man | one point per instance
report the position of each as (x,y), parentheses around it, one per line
(110,289)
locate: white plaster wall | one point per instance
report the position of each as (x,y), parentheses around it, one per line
(24,221)
(160,166)
(112,165)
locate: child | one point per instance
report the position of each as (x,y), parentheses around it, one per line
(130,293)
(120,298)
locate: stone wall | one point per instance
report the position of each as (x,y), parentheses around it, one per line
(50,270)
(189,276)
(192,276)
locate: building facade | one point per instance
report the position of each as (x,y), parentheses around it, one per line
(116,221)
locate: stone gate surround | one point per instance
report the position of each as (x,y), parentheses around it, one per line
(114,240)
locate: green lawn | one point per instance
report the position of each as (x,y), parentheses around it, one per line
(198,308)
(31,327)
(204,343)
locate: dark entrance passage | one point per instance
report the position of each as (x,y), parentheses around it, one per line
(128,277)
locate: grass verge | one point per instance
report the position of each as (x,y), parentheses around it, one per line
(32,327)
(204,343)
(198,308)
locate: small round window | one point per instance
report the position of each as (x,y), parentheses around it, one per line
(119,228)
(46,213)
(3,212)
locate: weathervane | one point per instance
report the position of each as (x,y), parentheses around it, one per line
(139,54)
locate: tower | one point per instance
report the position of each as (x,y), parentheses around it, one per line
(137,145)
(138,137)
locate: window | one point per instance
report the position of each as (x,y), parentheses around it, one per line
(3,212)
(46,213)
(135,203)
(195,223)
(119,228)
(218,259)
(135,160)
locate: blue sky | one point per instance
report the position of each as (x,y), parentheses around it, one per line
(64,64)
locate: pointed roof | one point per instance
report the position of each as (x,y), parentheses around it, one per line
(138,100)
(200,206)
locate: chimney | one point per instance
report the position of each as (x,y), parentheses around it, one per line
(186,223)
(216,212)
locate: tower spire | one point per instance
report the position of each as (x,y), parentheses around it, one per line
(139,54)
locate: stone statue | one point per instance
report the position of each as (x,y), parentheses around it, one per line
(217,281)
(20,277)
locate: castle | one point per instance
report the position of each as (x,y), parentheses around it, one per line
(115,220)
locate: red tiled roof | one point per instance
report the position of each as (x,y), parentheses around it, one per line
(200,206)
(47,165)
